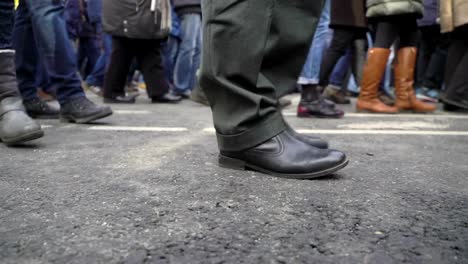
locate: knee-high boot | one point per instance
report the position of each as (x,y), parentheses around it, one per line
(368,100)
(404,81)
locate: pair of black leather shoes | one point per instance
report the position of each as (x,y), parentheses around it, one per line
(287,155)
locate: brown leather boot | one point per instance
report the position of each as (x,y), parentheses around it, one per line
(374,69)
(404,81)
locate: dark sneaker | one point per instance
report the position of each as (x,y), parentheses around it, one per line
(320,108)
(336,95)
(166,98)
(121,99)
(37,108)
(81,110)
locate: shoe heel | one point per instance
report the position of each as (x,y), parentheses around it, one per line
(230,163)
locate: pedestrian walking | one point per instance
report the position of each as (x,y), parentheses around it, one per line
(244,70)
(15,125)
(138,29)
(392,19)
(349,24)
(454,20)
(40,29)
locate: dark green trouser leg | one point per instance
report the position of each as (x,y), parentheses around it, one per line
(253,51)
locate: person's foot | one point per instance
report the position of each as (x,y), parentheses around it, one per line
(286,156)
(198,96)
(97,90)
(310,140)
(385,98)
(15,125)
(427,95)
(184,94)
(37,108)
(81,110)
(121,99)
(43,95)
(166,98)
(319,108)
(284,102)
(336,95)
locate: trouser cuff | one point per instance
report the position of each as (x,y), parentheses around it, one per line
(268,128)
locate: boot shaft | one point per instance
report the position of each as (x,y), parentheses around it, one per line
(374,70)
(8,83)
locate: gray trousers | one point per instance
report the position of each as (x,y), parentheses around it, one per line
(253,52)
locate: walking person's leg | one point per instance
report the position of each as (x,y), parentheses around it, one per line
(253,36)
(187,61)
(342,39)
(52,39)
(149,59)
(15,125)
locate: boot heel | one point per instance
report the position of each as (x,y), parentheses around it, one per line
(230,163)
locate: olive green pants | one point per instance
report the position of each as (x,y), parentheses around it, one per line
(253,52)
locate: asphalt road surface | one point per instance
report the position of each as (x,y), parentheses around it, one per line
(143,187)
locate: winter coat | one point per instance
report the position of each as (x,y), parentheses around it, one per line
(137,19)
(431,13)
(382,8)
(350,13)
(187,6)
(453,13)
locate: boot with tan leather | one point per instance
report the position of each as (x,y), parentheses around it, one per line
(374,69)
(404,81)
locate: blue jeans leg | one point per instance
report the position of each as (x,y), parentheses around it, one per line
(341,70)
(52,40)
(311,70)
(28,64)
(188,59)
(88,54)
(171,50)
(96,77)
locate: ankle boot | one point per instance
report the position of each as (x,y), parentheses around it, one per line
(404,81)
(372,76)
(15,125)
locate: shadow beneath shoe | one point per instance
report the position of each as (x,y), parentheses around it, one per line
(26,145)
(331,177)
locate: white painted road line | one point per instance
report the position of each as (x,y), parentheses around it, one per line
(383,132)
(371,132)
(132,112)
(138,129)
(395,116)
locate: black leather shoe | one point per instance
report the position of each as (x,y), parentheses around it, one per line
(311,140)
(15,125)
(321,108)
(286,156)
(121,99)
(37,108)
(81,110)
(167,98)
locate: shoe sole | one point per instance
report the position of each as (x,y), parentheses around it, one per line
(236,164)
(84,120)
(23,138)
(111,101)
(43,116)
(320,116)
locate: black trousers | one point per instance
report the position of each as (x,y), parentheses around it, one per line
(149,59)
(343,38)
(432,56)
(390,28)
(456,75)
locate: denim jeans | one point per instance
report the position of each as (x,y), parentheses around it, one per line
(40,29)
(341,71)
(171,50)
(6,23)
(311,70)
(188,59)
(96,77)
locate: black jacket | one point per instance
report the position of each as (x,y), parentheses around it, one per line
(187,6)
(135,19)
